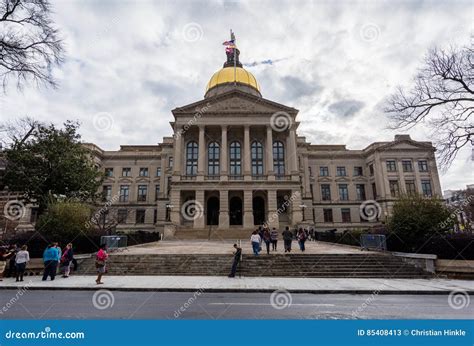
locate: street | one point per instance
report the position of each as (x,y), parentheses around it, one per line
(104,304)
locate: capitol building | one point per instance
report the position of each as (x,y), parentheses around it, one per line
(235,161)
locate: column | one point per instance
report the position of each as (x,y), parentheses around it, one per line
(175,207)
(200,215)
(296,213)
(307,192)
(223,209)
(178,151)
(293,155)
(269,152)
(163,176)
(246,152)
(401,176)
(433,170)
(223,152)
(273,216)
(248,212)
(202,153)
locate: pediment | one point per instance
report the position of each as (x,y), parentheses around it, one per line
(234,102)
(406,145)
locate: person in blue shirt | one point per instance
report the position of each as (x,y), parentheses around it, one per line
(51,258)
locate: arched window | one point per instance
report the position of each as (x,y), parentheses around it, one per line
(257,158)
(278,158)
(213,157)
(235,158)
(192,154)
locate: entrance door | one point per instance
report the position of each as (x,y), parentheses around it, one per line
(235,211)
(258,204)
(213,211)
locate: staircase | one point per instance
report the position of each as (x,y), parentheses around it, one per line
(294,265)
(211,233)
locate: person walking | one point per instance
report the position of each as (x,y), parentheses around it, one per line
(21,260)
(274,238)
(301,239)
(267,239)
(13,250)
(50,260)
(4,255)
(100,263)
(287,238)
(255,241)
(66,260)
(235,263)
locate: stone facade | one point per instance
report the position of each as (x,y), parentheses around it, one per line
(235,161)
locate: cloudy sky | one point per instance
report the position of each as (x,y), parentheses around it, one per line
(130,62)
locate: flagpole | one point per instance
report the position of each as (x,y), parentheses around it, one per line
(232,36)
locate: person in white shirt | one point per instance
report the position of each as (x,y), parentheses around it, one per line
(21,259)
(255,241)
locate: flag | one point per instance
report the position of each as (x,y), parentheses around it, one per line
(229,43)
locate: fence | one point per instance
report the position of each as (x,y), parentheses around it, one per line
(373,242)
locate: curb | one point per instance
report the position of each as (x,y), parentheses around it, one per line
(237,290)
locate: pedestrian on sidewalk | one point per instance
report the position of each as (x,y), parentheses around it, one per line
(13,250)
(301,239)
(21,260)
(274,238)
(66,260)
(100,263)
(287,238)
(50,260)
(267,239)
(255,240)
(237,257)
(4,255)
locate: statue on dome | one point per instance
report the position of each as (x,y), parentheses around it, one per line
(232,52)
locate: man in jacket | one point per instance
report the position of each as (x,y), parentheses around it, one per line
(51,258)
(287,238)
(237,255)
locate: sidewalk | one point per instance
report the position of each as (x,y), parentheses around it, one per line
(246,284)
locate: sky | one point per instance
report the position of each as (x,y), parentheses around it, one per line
(129,63)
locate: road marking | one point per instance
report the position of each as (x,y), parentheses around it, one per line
(266,304)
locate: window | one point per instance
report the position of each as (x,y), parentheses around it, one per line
(410,187)
(107,192)
(142,192)
(391,166)
(278,158)
(192,154)
(406,165)
(310,170)
(374,190)
(140,216)
(170,162)
(394,188)
(358,171)
(426,188)
(323,171)
(122,215)
(343,192)
(213,157)
(155,215)
(235,158)
(257,158)
(109,172)
(360,190)
(325,192)
(34,214)
(371,169)
(143,172)
(346,215)
(157,192)
(126,172)
(423,166)
(158,172)
(124,193)
(341,171)
(327,215)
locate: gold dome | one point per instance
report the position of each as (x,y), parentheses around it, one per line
(226,75)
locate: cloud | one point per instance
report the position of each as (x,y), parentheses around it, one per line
(335,62)
(346,108)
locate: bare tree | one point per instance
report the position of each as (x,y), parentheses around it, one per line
(29,43)
(443,98)
(17,132)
